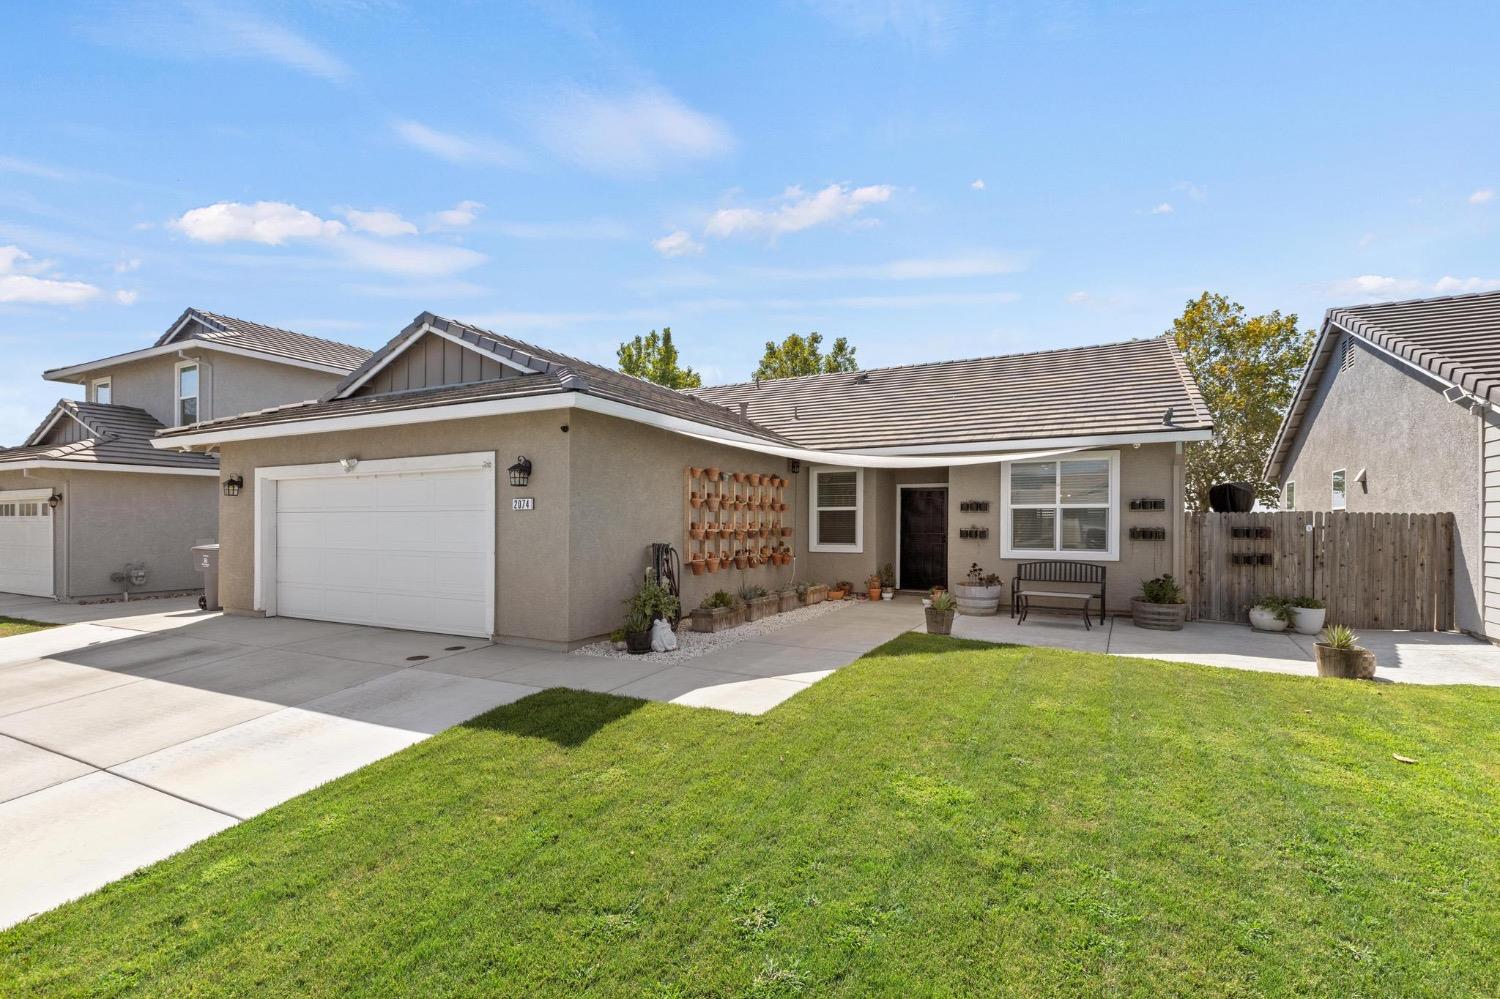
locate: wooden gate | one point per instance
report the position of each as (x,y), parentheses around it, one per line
(1372,570)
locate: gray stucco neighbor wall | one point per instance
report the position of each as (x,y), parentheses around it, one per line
(1420,452)
(228,384)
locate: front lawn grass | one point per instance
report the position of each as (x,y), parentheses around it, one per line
(940,818)
(20,626)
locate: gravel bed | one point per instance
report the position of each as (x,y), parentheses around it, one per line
(691,644)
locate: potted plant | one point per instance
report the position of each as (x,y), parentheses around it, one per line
(1340,655)
(787,599)
(758,603)
(980,592)
(711,472)
(887,581)
(836,591)
(651,602)
(816,593)
(696,563)
(617,639)
(1160,606)
(939,613)
(1307,615)
(1270,614)
(711,501)
(872,586)
(718,611)
(741,558)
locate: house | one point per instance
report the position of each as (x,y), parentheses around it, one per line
(1396,413)
(86,498)
(464,482)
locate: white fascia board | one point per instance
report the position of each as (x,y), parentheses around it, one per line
(70,374)
(1094,440)
(104,466)
(412,338)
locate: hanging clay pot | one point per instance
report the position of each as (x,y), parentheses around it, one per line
(712,501)
(712,563)
(696,532)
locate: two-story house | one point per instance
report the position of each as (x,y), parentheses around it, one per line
(86,501)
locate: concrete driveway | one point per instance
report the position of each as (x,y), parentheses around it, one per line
(143,728)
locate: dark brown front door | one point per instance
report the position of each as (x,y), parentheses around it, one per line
(924,538)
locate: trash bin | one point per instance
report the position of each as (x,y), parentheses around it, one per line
(206,559)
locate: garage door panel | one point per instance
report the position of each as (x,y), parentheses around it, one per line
(399,550)
(26,547)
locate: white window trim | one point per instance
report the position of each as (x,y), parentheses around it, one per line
(814,545)
(177,395)
(1289,495)
(108,383)
(1110,554)
(263,575)
(1334,502)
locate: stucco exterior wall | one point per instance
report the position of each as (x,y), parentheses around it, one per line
(1420,452)
(1152,471)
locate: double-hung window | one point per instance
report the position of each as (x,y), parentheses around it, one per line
(1061,508)
(836,502)
(103,391)
(187,394)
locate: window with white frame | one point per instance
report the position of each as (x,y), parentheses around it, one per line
(836,502)
(103,391)
(1061,508)
(187,394)
(1289,496)
(1340,489)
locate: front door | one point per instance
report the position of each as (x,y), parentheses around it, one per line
(924,538)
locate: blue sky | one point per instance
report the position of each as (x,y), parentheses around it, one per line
(931,180)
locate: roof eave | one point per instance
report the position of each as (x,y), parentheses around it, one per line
(69,375)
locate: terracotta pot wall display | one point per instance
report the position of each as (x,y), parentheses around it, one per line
(743,506)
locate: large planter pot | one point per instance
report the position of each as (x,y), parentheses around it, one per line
(1348,664)
(1158,617)
(638,642)
(1264,620)
(978,600)
(1308,620)
(873,592)
(711,619)
(759,607)
(939,622)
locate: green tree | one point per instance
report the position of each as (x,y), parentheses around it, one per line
(654,358)
(803,355)
(1247,367)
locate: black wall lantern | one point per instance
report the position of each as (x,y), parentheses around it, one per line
(54,499)
(233,485)
(520,472)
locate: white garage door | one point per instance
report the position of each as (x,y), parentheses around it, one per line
(26,542)
(397,550)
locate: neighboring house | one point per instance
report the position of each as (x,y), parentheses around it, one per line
(390,501)
(1396,413)
(86,496)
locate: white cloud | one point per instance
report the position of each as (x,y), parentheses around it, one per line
(1483,196)
(633,134)
(932,24)
(380,223)
(1195,192)
(462,214)
(587,229)
(269,222)
(21,282)
(798,210)
(456,148)
(127,265)
(985,264)
(28,168)
(409,259)
(247,34)
(1456,286)
(978,184)
(1079,298)
(1162,209)
(125,297)
(1377,286)
(677,243)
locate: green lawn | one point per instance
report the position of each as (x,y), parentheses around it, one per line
(20,626)
(941,818)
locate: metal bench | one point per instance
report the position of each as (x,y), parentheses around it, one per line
(1083,574)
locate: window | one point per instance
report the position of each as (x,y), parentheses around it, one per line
(1289,496)
(103,391)
(1340,489)
(1066,508)
(837,504)
(187,394)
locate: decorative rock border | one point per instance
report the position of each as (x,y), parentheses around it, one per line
(692,644)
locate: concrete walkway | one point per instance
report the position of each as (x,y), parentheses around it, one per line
(125,738)
(1400,656)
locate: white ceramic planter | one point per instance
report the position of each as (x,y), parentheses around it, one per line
(978,600)
(1308,620)
(1264,620)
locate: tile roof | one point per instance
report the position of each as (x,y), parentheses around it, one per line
(554,373)
(267,339)
(118,435)
(1118,388)
(1455,337)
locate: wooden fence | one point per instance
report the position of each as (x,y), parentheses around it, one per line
(1372,570)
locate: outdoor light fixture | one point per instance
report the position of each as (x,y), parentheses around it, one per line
(520,472)
(348,464)
(54,499)
(233,485)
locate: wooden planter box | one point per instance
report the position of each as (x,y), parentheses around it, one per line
(1349,664)
(713,619)
(817,593)
(760,607)
(980,601)
(1158,617)
(939,622)
(787,601)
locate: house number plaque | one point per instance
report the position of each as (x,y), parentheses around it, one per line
(523,503)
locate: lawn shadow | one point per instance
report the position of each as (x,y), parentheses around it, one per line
(566,717)
(919,643)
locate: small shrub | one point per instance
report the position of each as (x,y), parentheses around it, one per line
(888,576)
(651,601)
(978,577)
(1280,606)
(944,601)
(1340,636)
(1307,603)
(748,593)
(719,598)
(1161,590)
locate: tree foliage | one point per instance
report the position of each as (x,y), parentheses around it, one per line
(654,358)
(803,355)
(1247,367)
